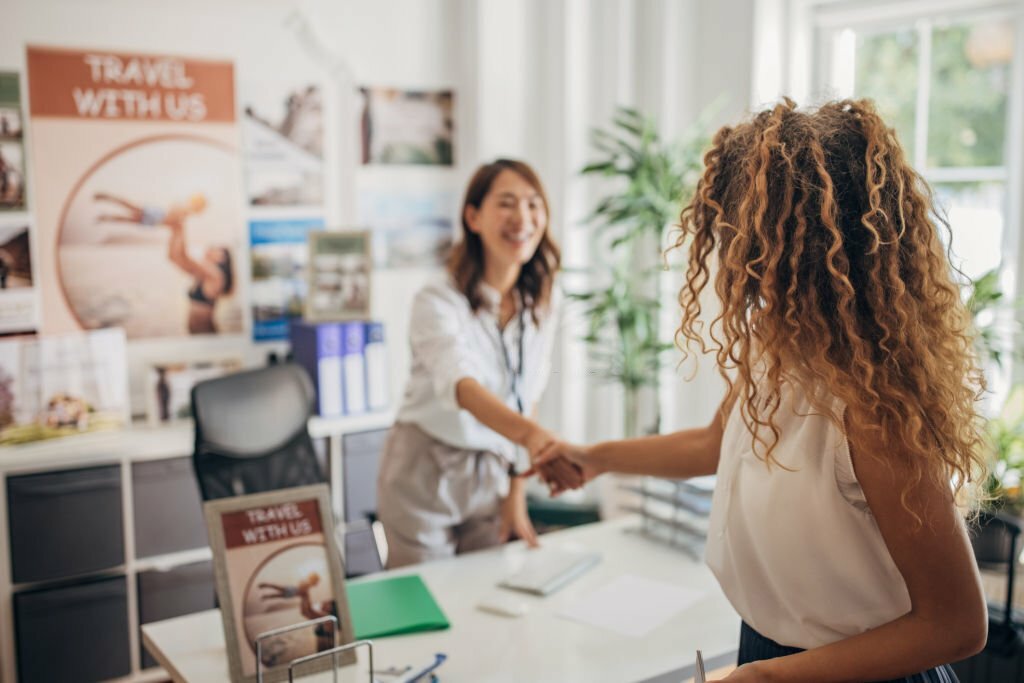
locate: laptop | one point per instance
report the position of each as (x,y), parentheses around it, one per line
(546,570)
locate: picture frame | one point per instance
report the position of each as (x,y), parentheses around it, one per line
(276,563)
(169,386)
(407,127)
(338,272)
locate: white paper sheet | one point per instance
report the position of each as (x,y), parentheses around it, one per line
(631,605)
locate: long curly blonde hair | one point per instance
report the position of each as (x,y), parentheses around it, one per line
(831,274)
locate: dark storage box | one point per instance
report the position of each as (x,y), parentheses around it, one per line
(73,633)
(166,594)
(168,511)
(65,523)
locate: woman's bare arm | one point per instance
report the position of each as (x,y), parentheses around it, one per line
(178,255)
(682,454)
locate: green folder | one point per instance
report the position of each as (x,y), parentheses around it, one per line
(391,607)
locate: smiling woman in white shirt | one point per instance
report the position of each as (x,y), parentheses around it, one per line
(481,343)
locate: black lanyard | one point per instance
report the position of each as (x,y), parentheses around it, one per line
(515,376)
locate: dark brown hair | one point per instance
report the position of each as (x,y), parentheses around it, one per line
(832,274)
(466,262)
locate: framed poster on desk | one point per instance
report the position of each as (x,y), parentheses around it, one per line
(276,565)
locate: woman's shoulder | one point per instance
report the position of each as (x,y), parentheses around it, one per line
(550,313)
(440,294)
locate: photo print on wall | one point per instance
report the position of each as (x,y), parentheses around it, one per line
(17,296)
(279,254)
(12,149)
(138,180)
(407,126)
(411,227)
(283,129)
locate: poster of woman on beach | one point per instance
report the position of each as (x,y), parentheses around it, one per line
(138,181)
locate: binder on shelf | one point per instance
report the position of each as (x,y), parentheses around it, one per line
(391,607)
(376,366)
(317,347)
(353,345)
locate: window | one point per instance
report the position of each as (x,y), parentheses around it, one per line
(944,84)
(949,81)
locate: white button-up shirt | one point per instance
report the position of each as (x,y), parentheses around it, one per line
(449,342)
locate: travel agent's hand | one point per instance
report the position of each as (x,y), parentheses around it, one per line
(569,465)
(514,515)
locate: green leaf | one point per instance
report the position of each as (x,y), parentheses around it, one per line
(652,177)
(598,167)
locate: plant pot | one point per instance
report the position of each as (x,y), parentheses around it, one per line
(992,539)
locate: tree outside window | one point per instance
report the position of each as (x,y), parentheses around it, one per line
(944,85)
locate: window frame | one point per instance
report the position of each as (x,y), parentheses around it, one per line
(804,64)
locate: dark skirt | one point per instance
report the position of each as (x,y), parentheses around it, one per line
(754,647)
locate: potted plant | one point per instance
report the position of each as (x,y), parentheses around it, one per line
(995,534)
(650,180)
(987,307)
(1006,436)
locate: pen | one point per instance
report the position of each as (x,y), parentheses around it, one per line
(421,676)
(699,676)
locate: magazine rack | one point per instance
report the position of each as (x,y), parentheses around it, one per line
(312,623)
(333,653)
(674,512)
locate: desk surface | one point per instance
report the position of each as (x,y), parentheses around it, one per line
(537,647)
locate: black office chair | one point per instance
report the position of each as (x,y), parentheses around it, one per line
(251,436)
(995,544)
(250,432)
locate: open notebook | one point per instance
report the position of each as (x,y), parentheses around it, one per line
(548,569)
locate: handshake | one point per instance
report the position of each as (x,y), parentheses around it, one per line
(560,465)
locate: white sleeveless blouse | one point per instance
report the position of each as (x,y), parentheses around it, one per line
(798,553)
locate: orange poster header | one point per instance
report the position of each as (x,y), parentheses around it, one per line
(105,85)
(272,523)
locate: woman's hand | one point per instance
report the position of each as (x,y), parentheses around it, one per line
(748,673)
(536,440)
(551,463)
(514,515)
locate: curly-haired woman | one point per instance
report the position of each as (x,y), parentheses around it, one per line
(850,410)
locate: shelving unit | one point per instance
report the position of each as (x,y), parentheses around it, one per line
(673,511)
(74,472)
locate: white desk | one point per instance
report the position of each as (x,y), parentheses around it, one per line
(537,647)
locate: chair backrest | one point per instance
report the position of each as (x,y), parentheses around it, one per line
(250,432)
(360,458)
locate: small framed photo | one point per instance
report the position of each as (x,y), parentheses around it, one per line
(276,564)
(339,276)
(169,386)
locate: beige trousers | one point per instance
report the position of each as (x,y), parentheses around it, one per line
(436,500)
